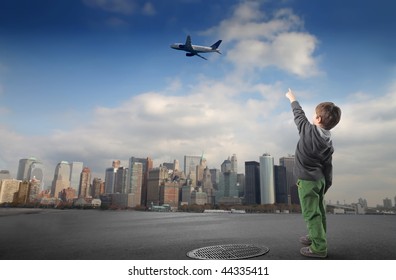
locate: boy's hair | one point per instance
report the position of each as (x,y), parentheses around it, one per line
(329,113)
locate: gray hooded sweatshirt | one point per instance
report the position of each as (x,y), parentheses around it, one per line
(313,157)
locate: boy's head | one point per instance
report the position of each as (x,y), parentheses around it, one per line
(328,115)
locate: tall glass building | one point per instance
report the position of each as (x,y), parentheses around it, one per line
(136,182)
(30,168)
(252,182)
(61,178)
(267,180)
(133,183)
(120,184)
(291,180)
(110,175)
(23,168)
(36,171)
(76,168)
(234,163)
(281,191)
(191,163)
(116,178)
(215,177)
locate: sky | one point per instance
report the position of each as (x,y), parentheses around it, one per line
(96,80)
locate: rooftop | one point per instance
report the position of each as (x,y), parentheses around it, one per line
(91,234)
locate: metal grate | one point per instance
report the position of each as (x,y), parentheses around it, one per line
(228,252)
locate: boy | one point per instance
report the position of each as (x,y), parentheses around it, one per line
(313,169)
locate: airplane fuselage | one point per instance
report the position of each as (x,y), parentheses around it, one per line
(193,49)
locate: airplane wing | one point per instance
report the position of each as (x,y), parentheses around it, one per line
(188,45)
(200,56)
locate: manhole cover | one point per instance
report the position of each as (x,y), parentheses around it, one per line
(228,252)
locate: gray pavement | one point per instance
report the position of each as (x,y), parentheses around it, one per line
(51,234)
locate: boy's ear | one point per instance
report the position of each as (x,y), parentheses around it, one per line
(319,119)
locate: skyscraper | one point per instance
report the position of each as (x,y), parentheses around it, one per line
(76,168)
(147,165)
(234,163)
(252,182)
(30,168)
(85,183)
(135,182)
(199,171)
(227,186)
(281,194)
(36,171)
(207,186)
(241,184)
(110,177)
(61,178)
(387,203)
(156,177)
(23,168)
(190,164)
(120,183)
(215,177)
(267,182)
(97,187)
(291,180)
(226,166)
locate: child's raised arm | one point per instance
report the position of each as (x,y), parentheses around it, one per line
(290,95)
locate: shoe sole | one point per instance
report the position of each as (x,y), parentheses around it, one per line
(305,252)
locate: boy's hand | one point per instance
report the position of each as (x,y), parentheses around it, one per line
(290,96)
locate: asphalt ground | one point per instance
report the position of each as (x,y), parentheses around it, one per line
(52,234)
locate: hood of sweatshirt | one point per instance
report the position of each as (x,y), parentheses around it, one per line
(324,133)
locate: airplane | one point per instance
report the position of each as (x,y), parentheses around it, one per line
(194,49)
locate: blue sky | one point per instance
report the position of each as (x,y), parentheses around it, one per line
(96,80)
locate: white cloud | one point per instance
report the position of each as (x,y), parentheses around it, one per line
(256,41)
(293,52)
(255,25)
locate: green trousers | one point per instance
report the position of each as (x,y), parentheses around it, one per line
(311,194)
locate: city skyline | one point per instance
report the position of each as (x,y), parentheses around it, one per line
(92,81)
(269,198)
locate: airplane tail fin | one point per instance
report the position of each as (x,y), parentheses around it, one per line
(216,45)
